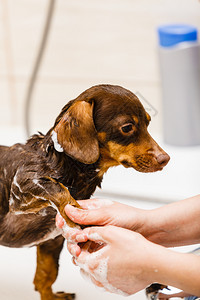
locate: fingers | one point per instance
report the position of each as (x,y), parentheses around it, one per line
(94,203)
(101,234)
(92,257)
(95,242)
(93,246)
(84,217)
(91,263)
(72,235)
(59,221)
(97,283)
(77,215)
(98,235)
(74,249)
(75,236)
(91,214)
(88,277)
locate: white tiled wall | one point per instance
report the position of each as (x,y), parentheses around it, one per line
(91,42)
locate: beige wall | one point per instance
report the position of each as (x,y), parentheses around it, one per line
(91,42)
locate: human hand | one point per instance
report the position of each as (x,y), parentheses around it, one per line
(113,258)
(105,212)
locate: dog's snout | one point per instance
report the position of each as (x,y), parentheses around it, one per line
(163,159)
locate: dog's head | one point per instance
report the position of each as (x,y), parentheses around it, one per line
(108,123)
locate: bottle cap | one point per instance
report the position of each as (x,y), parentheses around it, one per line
(172,34)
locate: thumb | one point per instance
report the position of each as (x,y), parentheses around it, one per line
(84,217)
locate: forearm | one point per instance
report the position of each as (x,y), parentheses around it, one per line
(174,224)
(176,269)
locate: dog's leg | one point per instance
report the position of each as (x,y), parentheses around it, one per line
(47,269)
(30,194)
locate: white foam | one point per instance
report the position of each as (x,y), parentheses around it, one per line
(88,278)
(43,212)
(50,235)
(57,146)
(66,228)
(36,182)
(96,238)
(19,212)
(11,201)
(100,273)
(16,183)
(17,197)
(5,172)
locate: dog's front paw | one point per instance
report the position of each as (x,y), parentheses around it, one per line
(153,290)
(64,296)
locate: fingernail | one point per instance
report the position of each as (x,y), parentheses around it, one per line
(71,208)
(68,206)
(80,238)
(71,211)
(74,251)
(59,221)
(74,261)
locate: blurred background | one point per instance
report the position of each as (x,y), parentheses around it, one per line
(92,42)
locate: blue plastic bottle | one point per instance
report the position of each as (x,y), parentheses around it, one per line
(179,55)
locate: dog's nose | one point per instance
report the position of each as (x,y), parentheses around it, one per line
(163,159)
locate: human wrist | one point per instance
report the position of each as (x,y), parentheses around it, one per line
(170,226)
(154,227)
(152,262)
(161,265)
(147,264)
(143,223)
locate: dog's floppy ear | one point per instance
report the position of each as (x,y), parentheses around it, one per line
(76,133)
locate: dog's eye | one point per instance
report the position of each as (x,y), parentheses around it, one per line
(127,128)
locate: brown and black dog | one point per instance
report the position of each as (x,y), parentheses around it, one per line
(103,127)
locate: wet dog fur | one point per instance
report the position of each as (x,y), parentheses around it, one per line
(103,127)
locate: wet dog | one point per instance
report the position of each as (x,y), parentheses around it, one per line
(103,127)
